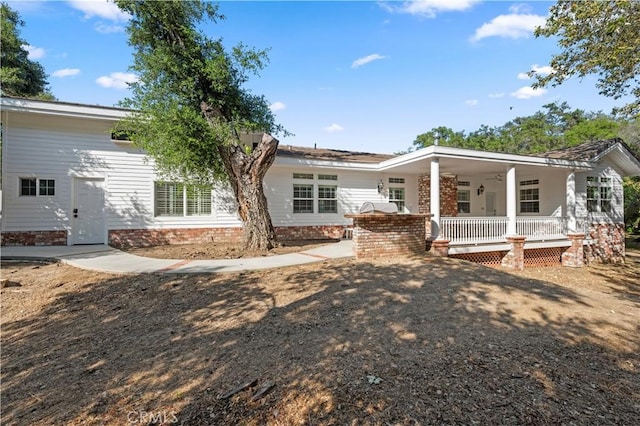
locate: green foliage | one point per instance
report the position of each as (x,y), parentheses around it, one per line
(597,37)
(557,126)
(631,186)
(19,76)
(180,71)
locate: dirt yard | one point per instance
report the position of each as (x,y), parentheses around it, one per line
(400,342)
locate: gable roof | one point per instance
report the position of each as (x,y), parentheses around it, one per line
(593,151)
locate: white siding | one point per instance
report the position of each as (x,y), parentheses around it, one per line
(354,189)
(65,148)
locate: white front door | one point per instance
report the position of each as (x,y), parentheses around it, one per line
(490,203)
(88,214)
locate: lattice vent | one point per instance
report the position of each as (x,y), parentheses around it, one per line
(549,256)
(487,258)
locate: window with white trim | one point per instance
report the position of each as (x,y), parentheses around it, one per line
(302,198)
(317,196)
(599,194)
(397,196)
(31,187)
(327,199)
(177,199)
(464,201)
(530,196)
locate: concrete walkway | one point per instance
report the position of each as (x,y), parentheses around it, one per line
(107,259)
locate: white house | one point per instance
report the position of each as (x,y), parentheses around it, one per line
(65,181)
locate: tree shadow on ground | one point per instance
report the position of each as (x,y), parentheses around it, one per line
(450,341)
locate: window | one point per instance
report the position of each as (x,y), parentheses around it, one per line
(28,187)
(396,180)
(530,197)
(396,195)
(327,177)
(171,199)
(327,199)
(303,175)
(464,201)
(302,198)
(198,201)
(464,183)
(530,200)
(599,194)
(47,187)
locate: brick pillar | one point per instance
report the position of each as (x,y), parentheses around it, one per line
(440,248)
(573,257)
(515,258)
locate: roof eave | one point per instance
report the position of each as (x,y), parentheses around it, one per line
(63,109)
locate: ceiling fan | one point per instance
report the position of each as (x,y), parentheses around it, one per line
(498,177)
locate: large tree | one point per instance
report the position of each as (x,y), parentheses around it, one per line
(19,76)
(192,108)
(597,37)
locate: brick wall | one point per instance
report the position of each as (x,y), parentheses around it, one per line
(608,243)
(321,232)
(122,238)
(448,195)
(388,235)
(34,238)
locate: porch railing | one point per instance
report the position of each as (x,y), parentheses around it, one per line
(493,229)
(537,228)
(473,230)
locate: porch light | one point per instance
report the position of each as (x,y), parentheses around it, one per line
(380,186)
(481,190)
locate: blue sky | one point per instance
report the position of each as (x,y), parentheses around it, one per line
(361,75)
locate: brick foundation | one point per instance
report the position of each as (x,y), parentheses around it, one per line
(573,257)
(608,243)
(123,238)
(34,238)
(387,235)
(514,259)
(321,232)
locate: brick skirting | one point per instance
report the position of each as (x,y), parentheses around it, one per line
(123,238)
(34,238)
(608,243)
(321,232)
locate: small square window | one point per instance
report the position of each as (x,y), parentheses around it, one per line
(27,187)
(47,187)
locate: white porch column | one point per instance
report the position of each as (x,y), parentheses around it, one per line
(571,201)
(512,201)
(434,198)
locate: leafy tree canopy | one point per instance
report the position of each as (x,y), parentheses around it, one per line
(19,76)
(597,37)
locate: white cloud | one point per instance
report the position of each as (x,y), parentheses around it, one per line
(277,106)
(66,72)
(117,80)
(334,128)
(496,95)
(100,8)
(528,92)
(34,52)
(510,26)
(471,102)
(428,8)
(536,69)
(366,59)
(103,28)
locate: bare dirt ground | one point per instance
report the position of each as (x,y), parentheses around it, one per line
(222,251)
(394,341)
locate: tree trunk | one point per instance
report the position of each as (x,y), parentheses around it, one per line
(246,172)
